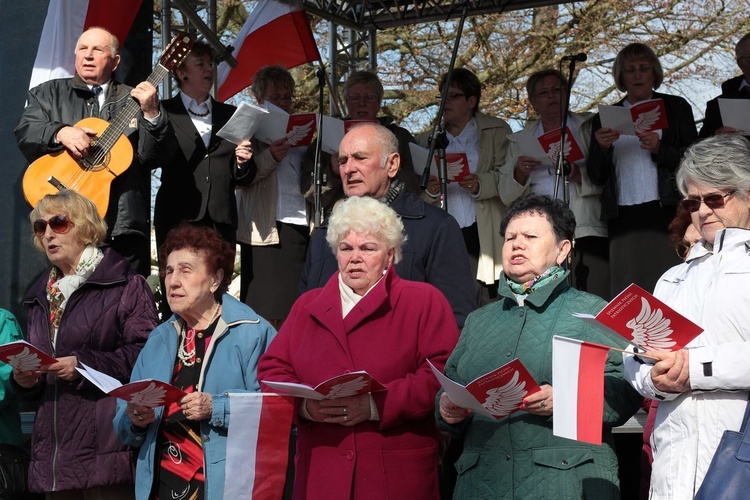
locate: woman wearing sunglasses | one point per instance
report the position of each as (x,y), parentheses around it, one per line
(89,308)
(702,390)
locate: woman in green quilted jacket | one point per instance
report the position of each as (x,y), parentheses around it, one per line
(517,457)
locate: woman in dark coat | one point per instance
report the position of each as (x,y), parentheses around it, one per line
(89,308)
(640,196)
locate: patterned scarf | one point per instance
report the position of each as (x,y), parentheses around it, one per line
(552,274)
(60,288)
(396,187)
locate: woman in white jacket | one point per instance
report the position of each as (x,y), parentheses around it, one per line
(703,389)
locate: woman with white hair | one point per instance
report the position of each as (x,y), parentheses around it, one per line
(375,445)
(703,389)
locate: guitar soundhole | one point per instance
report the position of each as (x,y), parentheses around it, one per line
(96,160)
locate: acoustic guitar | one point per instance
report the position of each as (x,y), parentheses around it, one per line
(110,152)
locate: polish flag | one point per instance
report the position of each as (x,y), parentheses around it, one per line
(275,32)
(257,446)
(578,382)
(64,23)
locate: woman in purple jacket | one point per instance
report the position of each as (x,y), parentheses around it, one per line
(89,308)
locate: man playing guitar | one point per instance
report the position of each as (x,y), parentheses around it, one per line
(47,126)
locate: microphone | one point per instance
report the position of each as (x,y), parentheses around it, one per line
(577,57)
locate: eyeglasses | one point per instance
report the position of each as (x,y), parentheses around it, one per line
(59,224)
(552,91)
(279,98)
(712,201)
(452,96)
(644,68)
(367,98)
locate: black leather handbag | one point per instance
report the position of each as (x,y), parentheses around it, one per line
(728,476)
(14,470)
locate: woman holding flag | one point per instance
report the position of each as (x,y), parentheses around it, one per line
(520,452)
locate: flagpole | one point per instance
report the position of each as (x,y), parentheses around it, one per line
(640,355)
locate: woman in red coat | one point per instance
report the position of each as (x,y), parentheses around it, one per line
(376,445)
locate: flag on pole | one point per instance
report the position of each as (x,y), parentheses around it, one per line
(257,446)
(64,23)
(578,382)
(275,32)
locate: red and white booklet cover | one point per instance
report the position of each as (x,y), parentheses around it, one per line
(24,356)
(644,117)
(550,142)
(340,386)
(148,392)
(496,394)
(457,163)
(644,321)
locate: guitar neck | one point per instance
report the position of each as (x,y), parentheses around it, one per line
(126,115)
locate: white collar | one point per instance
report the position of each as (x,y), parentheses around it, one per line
(191,103)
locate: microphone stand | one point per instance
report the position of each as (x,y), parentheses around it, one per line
(438,140)
(319,178)
(562,172)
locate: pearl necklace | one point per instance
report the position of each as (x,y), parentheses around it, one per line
(188,357)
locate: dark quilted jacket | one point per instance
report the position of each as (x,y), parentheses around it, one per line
(105,324)
(518,457)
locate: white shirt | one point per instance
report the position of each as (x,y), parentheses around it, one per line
(636,173)
(201,123)
(291,207)
(460,201)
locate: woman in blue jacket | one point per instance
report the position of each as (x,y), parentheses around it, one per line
(208,348)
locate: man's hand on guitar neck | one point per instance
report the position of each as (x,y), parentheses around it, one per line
(148,97)
(76,140)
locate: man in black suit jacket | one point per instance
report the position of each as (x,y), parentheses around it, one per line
(197,185)
(734,88)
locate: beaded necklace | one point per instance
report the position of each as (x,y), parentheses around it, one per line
(187,336)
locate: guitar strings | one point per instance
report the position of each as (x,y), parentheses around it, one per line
(111,135)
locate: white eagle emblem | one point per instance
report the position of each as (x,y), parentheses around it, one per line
(651,329)
(151,397)
(299,132)
(554,150)
(507,398)
(25,360)
(454,168)
(346,389)
(646,120)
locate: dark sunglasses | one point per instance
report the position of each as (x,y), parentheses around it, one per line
(59,224)
(712,201)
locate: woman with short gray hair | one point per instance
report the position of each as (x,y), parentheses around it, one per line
(702,390)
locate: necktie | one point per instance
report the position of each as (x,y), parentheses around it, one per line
(96,89)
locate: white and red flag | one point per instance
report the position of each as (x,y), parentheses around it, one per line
(275,32)
(257,446)
(64,23)
(578,383)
